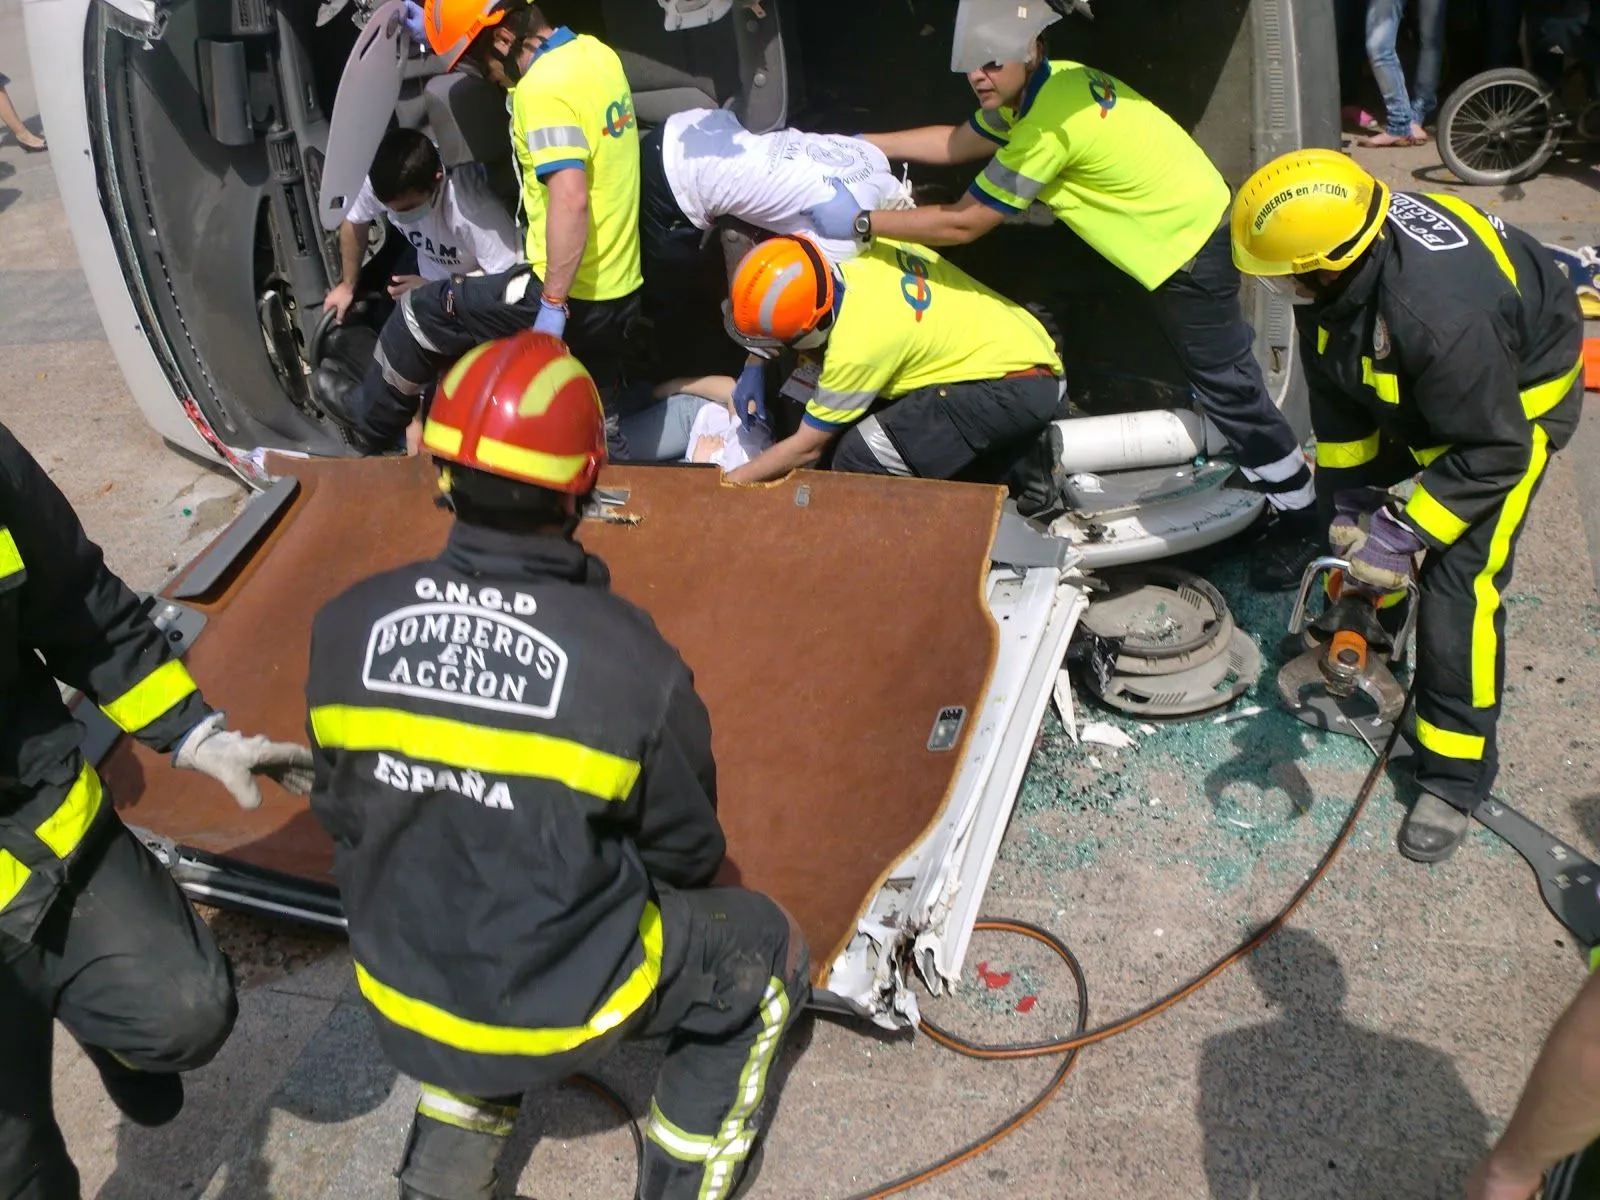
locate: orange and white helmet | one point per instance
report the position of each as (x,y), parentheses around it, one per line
(451,25)
(782,294)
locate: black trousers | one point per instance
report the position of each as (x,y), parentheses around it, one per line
(685,276)
(1199,314)
(983,432)
(435,324)
(125,964)
(1461,624)
(735,972)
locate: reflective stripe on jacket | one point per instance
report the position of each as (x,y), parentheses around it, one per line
(508,755)
(1452,335)
(64,616)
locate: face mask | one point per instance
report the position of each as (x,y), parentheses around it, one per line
(416,214)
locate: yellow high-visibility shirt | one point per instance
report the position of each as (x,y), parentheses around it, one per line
(1114,168)
(574,109)
(908,319)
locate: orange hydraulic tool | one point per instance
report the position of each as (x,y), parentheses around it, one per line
(1343,651)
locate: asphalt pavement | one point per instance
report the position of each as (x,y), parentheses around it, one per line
(1373,1049)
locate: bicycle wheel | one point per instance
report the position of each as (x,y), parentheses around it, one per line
(1499,127)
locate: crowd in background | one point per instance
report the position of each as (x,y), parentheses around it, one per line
(1411,46)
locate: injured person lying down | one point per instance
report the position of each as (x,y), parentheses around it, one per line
(690,420)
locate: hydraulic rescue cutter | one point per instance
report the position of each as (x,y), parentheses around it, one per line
(1347,649)
(1344,650)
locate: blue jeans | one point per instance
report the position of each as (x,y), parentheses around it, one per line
(660,433)
(1383,27)
(1430,59)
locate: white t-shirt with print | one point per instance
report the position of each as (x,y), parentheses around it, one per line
(467,230)
(718,168)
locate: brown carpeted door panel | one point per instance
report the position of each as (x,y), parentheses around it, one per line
(828,619)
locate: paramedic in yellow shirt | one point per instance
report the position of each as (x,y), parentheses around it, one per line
(925,372)
(1128,180)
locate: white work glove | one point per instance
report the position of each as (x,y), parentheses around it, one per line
(233,760)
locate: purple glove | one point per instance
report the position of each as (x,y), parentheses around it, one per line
(836,217)
(414,25)
(1351,510)
(552,319)
(1384,559)
(750,394)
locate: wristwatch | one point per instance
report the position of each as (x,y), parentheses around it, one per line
(863,226)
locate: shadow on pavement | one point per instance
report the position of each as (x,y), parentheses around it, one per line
(1586,810)
(338,1076)
(1294,1108)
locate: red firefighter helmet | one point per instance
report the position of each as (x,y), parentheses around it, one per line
(523,408)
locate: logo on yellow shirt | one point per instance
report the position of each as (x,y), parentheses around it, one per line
(619,117)
(914,284)
(1103,90)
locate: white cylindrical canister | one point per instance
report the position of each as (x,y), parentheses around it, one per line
(1127,441)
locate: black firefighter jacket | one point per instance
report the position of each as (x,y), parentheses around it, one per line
(508,756)
(64,616)
(1457,342)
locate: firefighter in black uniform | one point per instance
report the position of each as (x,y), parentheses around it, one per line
(1437,339)
(517,776)
(93,931)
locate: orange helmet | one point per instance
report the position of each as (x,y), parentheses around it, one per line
(782,290)
(522,408)
(452,24)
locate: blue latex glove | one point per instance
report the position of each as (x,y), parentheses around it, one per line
(552,319)
(413,23)
(836,217)
(750,394)
(1383,560)
(1352,510)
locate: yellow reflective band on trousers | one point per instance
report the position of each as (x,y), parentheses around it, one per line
(1433,518)
(1449,743)
(466,1112)
(475,1037)
(1542,397)
(152,696)
(62,831)
(1426,456)
(1485,231)
(734,1137)
(10,556)
(476,748)
(1485,650)
(1338,455)
(1385,383)
(682,1145)
(1322,340)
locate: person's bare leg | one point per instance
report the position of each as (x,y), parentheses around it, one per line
(8,115)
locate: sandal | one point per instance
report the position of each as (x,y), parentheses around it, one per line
(1384,141)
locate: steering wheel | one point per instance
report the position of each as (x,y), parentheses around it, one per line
(325,325)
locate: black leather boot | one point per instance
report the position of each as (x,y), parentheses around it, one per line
(1432,830)
(144,1097)
(1287,545)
